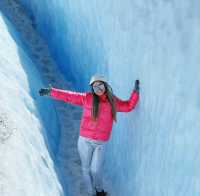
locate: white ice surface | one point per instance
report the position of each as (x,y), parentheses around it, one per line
(26,166)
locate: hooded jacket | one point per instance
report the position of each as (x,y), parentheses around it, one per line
(99,129)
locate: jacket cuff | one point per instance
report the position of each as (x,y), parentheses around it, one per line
(136,91)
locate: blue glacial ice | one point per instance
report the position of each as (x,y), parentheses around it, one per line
(154,150)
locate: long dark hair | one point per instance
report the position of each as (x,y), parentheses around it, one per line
(95,104)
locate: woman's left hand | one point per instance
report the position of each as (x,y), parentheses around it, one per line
(137,87)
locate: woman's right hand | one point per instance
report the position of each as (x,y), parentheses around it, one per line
(45,91)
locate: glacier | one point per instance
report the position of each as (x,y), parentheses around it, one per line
(154,150)
(28,144)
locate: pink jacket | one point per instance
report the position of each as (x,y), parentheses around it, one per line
(102,127)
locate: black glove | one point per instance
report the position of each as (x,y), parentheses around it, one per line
(137,88)
(45,91)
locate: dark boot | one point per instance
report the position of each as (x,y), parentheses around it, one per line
(102,193)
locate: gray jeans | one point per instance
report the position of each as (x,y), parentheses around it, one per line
(92,158)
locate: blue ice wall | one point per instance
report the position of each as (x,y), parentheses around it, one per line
(154,150)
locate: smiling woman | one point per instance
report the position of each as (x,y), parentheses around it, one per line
(98,88)
(99,111)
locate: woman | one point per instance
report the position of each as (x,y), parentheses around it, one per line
(99,110)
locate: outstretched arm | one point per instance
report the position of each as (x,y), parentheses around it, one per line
(128,105)
(76,98)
